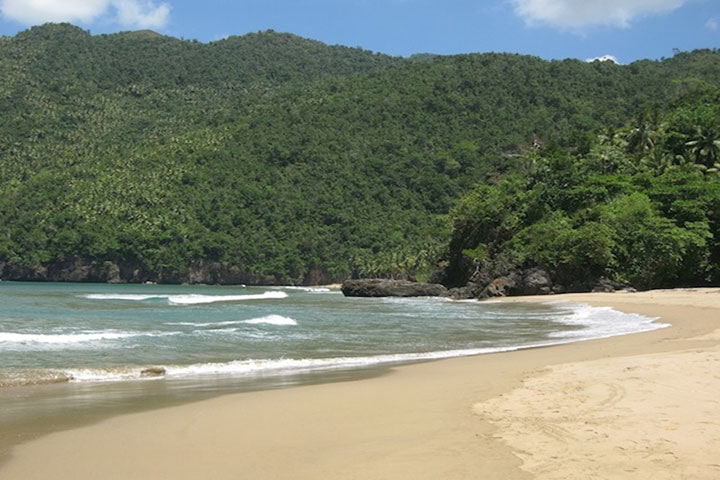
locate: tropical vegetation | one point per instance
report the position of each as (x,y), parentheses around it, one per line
(283,156)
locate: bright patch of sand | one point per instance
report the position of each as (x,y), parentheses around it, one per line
(650,416)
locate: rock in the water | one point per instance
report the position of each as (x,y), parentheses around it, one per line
(153,372)
(378,287)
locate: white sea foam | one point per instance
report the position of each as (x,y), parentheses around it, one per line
(69,338)
(271,320)
(600,322)
(205,324)
(284,366)
(201,299)
(289,365)
(122,296)
(258,367)
(307,289)
(11,341)
(190,299)
(103,374)
(268,319)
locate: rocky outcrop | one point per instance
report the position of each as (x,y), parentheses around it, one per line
(13,271)
(79,269)
(471,290)
(215,273)
(71,269)
(378,287)
(502,287)
(534,281)
(82,269)
(608,286)
(318,276)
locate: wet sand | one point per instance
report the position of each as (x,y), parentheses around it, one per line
(636,406)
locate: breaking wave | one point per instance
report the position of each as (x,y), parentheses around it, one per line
(190,299)
(69,338)
(271,320)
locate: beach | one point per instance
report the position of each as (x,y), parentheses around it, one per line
(632,406)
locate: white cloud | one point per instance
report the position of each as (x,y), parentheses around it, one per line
(712,24)
(576,14)
(40,11)
(142,13)
(128,13)
(604,58)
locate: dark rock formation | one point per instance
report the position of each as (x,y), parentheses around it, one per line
(318,276)
(605,285)
(471,290)
(71,269)
(502,287)
(378,287)
(82,269)
(13,271)
(79,269)
(534,281)
(204,271)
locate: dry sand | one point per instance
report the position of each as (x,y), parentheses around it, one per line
(638,406)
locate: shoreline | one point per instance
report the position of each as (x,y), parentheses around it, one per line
(402,423)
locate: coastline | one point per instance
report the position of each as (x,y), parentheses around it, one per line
(430,420)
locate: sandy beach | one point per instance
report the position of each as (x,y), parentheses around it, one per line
(631,407)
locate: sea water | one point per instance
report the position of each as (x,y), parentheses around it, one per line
(97,339)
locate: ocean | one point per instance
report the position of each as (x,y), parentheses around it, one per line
(78,351)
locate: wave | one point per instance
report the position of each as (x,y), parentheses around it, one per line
(190,299)
(84,375)
(271,367)
(69,338)
(307,289)
(271,320)
(122,296)
(590,323)
(205,324)
(599,322)
(201,299)
(251,367)
(268,319)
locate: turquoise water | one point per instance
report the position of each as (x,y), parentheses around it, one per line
(74,353)
(103,333)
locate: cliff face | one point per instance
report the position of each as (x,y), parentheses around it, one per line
(81,269)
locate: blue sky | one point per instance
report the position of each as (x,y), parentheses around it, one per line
(626,29)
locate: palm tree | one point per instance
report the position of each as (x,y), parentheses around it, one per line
(612,136)
(642,137)
(705,146)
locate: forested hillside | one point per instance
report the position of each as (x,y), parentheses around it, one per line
(274,158)
(632,206)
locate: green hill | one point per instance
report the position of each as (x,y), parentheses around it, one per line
(272,158)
